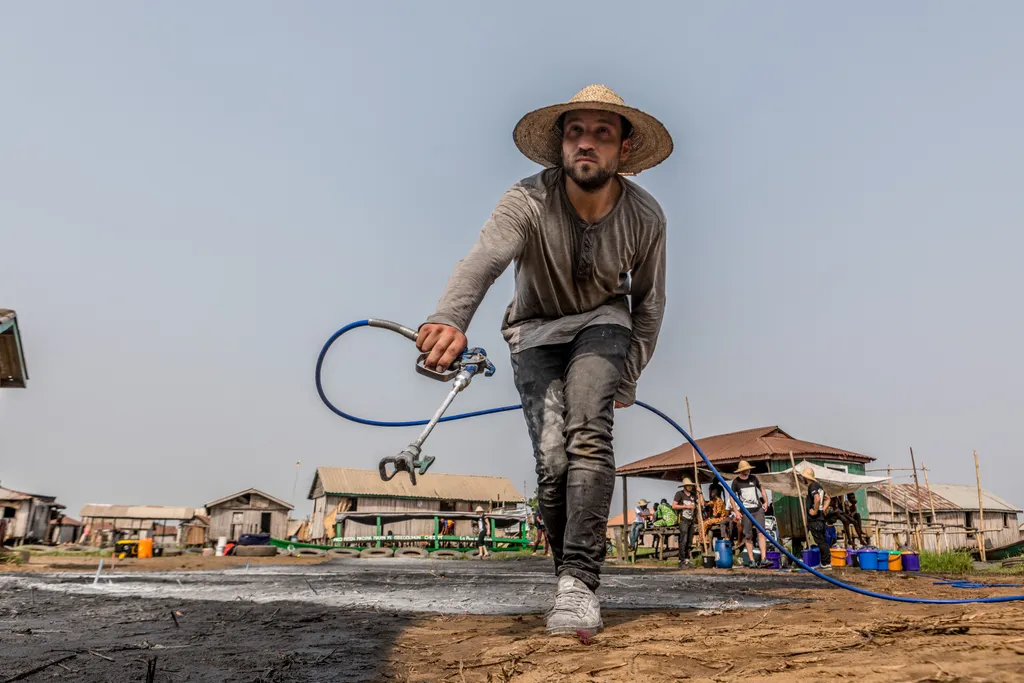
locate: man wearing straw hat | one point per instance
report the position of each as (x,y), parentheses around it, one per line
(817,501)
(589,253)
(685,502)
(754,498)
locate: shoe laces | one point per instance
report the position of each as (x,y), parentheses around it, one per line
(572,600)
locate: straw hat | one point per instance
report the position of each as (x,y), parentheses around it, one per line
(687,482)
(744,466)
(642,503)
(537,135)
(478,509)
(808,473)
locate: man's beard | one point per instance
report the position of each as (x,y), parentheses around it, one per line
(588,181)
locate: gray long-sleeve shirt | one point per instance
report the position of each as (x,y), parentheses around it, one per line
(568,274)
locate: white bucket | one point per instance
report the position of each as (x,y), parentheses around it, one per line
(221,543)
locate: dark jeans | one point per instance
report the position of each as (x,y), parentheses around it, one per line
(568,395)
(816,526)
(685,536)
(634,533)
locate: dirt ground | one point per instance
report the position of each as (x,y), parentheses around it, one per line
(161,564)
(816,633)
(838,635)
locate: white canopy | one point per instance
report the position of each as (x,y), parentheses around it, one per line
(834,482)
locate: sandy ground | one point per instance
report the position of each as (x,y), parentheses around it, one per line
(295,622)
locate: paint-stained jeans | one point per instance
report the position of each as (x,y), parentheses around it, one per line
(568,396)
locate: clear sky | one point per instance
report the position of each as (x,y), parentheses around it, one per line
(194,196)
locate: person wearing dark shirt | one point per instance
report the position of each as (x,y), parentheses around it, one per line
(851,517)
(816,506)
(685,504)
(542,534)
(754,499)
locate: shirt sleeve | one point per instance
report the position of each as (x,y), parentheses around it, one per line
(500,240)
(647,303)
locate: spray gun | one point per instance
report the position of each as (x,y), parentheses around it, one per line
(460,373)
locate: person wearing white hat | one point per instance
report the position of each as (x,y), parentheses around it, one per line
(589,297)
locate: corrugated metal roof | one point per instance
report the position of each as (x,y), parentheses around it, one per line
(11,494)
(945,497)
(342,481)
(225,499)
(137,512)
(763,443)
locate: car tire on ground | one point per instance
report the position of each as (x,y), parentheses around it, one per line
(447,555)
(309,552)
(255,551)
(343,552)
(411,553)
(377,552)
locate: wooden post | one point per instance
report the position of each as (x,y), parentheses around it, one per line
(981,511)
(931,502)
(799,500)
(624,539)
(917,492)
(700,493)
(892,506)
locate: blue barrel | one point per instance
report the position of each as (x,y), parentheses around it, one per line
(868,559)
(812,557)
(883,560)
(723,554)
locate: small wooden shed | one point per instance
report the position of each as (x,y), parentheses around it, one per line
(13,370)
(248,512)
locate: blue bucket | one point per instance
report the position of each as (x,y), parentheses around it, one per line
(869,559)
(774,559)
(723,554)
(883,560)
(811,557)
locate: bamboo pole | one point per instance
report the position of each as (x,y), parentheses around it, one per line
(700,493)
(799,499)
(981,511)
(917,493)
(931,501)
(892,504)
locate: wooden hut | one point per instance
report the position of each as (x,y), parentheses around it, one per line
(897,511)
(107,524)
(25,517)
(768,449)
(248,512)
(337,490)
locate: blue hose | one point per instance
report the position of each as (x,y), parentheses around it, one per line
(725,484)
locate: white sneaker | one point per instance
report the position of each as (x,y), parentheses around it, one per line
(577,610)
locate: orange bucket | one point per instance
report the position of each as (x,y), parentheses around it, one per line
(838,557)
(145,548)
(895,562)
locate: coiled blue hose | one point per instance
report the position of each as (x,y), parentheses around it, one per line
(410,334)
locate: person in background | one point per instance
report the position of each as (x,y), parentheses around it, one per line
(816,506)
(750,492)
(851,517)
(685,503)
(717,514)
(481,543)
(664,516)
(640,521)
(542,534)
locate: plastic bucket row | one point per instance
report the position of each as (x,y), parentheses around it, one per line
(871,559)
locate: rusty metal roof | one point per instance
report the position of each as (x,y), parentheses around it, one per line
(13,369)
(342,481)
(946,497)
(226,499)
(763,443)
(137,512)
(11,494)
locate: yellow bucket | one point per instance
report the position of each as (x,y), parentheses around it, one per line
(145,548)
(838,557)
